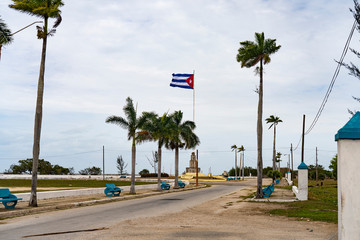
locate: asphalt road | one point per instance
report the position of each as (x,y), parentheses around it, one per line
(66,224)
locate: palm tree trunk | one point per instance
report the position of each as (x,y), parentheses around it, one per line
(235,164)
(159,169)
(176,184)
(133,165)
(274,150)
(38,120)
(259,193)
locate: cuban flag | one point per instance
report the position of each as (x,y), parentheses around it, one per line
(182,80)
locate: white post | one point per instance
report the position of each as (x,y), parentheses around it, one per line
(348,165)
(303,182)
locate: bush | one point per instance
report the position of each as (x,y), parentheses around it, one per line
(274,174)
(144,171)
(153,175)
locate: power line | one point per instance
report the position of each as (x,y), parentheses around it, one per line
(322,106)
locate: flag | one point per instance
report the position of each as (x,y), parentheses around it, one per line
(182,80)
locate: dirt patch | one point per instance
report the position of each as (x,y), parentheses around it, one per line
(228,217)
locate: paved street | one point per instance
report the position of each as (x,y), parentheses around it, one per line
(103,216)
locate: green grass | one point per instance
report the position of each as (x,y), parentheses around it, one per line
(63,183)
(321,206)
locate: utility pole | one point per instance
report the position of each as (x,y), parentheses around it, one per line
(302,144)
(292,162)
(103,162)
(197,167)
(317,172)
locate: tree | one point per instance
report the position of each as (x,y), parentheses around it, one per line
(157,129)
(274,120)
(235,148)
(45,167)
(5,35)
(91,171)
(333,166)
(278,159)
(121,165)
(144,171)
(242,164)
(154,161)
(182,136)
(353,69)
(44,9)
(132,124)
(250,54)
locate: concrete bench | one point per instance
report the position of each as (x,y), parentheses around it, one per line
(181,184)
(165,186)
(111,190)
(8,200)
(268,190)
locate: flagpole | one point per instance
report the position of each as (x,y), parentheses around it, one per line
(194,96)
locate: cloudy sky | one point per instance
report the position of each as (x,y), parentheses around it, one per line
(106,51)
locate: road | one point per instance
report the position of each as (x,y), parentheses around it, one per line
(70,223)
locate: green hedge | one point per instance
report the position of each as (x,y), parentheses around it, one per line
(146,175)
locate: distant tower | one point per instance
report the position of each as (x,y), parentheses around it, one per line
(192,164)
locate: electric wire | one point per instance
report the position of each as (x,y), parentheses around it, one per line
(337,70)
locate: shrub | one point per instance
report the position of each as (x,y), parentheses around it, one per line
(153,175)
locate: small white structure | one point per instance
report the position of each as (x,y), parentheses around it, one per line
(288,178)
(348,166)
(301,192)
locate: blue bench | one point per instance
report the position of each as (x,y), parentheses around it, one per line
(122,176)
(111,190)
(181,184)
(268,190)
(165,186)
(277,181)
(8,200)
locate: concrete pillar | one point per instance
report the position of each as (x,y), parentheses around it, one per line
(289,176)
(303,182)
(348,167)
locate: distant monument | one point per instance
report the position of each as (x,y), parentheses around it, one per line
(192,164)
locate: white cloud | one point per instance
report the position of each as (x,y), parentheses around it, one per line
(104,52)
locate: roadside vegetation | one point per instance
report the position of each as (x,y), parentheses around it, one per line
(321,206)
(55,183)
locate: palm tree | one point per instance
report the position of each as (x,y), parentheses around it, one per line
(274,120)
(182,136)
(242,150)
(250,54)
(44,9)
(158,129)
(132,124)
(235,148)
(5,35)
(278,159)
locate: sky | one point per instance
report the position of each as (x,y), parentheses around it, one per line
(104,52)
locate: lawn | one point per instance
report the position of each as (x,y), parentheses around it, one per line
(321,206)
(63,183)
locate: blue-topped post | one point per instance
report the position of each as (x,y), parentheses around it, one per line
(303,182)
(348,167)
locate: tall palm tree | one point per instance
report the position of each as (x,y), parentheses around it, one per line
(5,35)
(132,123)
(250,54)
(274,120)
(159,130)
(44,9)
(235,148)
(278,159)
(242,164)
(182,136)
